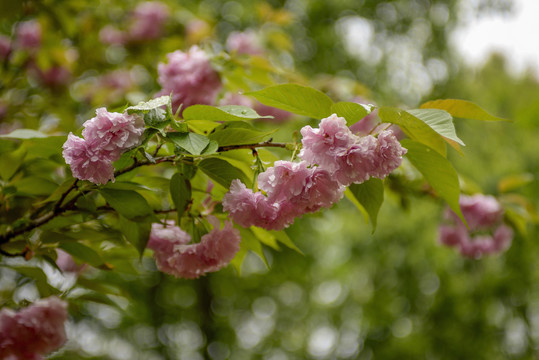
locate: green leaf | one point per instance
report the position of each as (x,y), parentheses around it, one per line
(137,233)
(156,118)
(298,99)
(221,113)
(222,172)
(128,203)
(41,281)
(370,195)
(283,238)
(24,134)
(59,191)
(151,104)
(437,170)
(441,122)
(11,162)
(352,112)
(413,127)
(180,192)
(462,109)
(82,252)
(235,134)
(192,143)
(35,186)
(212,148)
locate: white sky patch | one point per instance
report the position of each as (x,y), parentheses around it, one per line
(515,35)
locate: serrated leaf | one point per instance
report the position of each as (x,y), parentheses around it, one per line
(151,104)
(192,143)
(82,252)
(462,109)
(180,192)
(437,170)
(298,99)
(370,194)
(440,121)
(221,113)
(222,172)
(352,112)
(137,233)
(414,128)
(127,203)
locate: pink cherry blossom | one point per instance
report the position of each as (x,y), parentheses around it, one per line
(247,208)
(148,21)
(174,255)
(245,42)
(67,264)
(486,234)
(321,146)
(189,77)
(113,132)
(33,331)
(5,47)
(28,35)
(112,36)
(388,155)
(284,180)
(87,160)
(357,163)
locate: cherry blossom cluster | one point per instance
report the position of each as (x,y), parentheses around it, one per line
(190,78)
(486,233)
(34,331)
(106,137)
(333,157)
(174,255)
(147,23)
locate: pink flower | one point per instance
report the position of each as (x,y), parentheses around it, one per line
(53,77)
(388,155)
(247,208)
(33,331)
(113,132)
(5,47)
(481,211)
(189,77)
(321,146)
(246,42)
(112,36)
(66,263)
(357,163)
(149,18)
(87,160)
(219,246)
(293,189)
(174,255)
(487,233)
(284,180)
(28,35)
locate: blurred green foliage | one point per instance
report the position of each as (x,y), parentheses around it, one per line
(389,295)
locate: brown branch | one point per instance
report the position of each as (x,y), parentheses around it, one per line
(252,146)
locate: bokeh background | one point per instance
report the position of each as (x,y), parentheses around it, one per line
(351,294)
